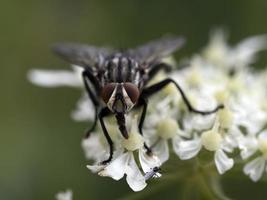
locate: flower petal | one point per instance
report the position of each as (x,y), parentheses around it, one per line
(254,169)
(186,149)
(134,178)
(54,78)
(148,162)
(248,146)
(95,168)
(161,150)
(93,148)
(245,52)
(116,168)
(222,162)
(84,110)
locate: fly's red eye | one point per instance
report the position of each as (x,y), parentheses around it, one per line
(107,91)
(132,91)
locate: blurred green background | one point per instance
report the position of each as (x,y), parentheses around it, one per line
(40,145)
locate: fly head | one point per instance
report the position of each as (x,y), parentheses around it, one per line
(120,97)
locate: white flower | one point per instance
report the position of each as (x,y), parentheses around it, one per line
(161,126)
(221,54)
(94,147)
(244,53)
(255,168)
(56,78)
(84,110)
(187,149)
(220,74)
(123,162)
(67,195)
(211,140)
(248,145)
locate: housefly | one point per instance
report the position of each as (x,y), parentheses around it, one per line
(117,80)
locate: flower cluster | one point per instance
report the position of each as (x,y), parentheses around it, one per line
(219,74)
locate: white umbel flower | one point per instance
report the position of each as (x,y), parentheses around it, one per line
(160,127)
(210,140)
(219,53)
(123,162)
(221,74)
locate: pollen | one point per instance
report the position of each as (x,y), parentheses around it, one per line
(134,142)
(263,147)
(167,128)
(211,140)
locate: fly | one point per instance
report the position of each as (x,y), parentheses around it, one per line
(153,173)
(116,81)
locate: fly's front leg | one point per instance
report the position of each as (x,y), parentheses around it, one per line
(158,86)
(88,77)
(103,113)
(143,102)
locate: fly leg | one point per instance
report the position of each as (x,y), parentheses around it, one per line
(103,113)
(143,102)
(158,86)
(155,69)
(88,77)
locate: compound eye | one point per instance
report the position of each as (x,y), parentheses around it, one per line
(107,91)
(132,91)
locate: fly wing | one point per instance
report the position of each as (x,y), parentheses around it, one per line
(157,49)
(82,55)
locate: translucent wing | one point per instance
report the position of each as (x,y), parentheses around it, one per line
(82,55)
(157,49)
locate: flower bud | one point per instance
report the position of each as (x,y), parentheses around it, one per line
(194,79)
(211,140)
(167,128)
(134,142)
